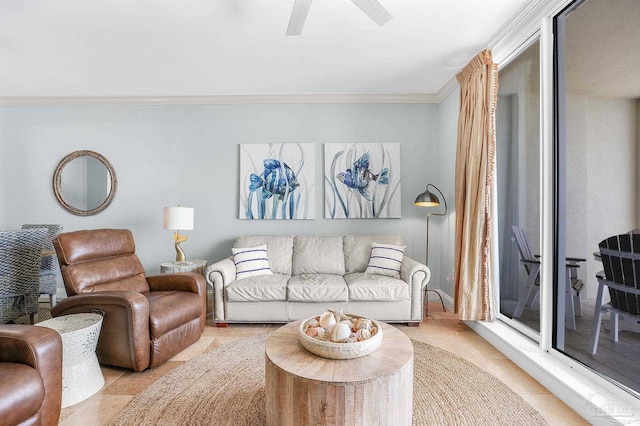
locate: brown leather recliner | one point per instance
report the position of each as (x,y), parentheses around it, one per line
(30,375)
(146,320)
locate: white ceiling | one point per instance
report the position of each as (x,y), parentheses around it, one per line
(168,48)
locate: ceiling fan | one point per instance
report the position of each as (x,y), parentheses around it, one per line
(371,8)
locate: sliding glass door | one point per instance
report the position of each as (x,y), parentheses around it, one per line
(589,190)
(597,176)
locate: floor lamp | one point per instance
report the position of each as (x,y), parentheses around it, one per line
(429,199)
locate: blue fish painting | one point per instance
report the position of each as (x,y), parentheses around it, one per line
(362,180)
(359,176)
(277,179)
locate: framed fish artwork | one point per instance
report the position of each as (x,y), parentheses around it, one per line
(362,180)
(277,181)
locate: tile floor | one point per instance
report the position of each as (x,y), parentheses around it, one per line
(440,329)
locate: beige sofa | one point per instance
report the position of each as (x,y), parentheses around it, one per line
(311,273)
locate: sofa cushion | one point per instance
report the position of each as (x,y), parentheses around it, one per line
(386,259)
(279,249)
(318,254)
(317,288)
(369,287)
(251,261)
(357,249)
(258,289)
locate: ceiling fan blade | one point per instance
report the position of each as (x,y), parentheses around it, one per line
(374,10)
(298,16)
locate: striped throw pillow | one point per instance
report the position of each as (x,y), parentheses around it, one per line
(385,259)
(251,261)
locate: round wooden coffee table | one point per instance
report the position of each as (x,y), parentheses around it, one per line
(305,389)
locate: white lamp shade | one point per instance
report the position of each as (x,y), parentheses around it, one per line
(178,218)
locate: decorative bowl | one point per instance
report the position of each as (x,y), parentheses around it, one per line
(332,350)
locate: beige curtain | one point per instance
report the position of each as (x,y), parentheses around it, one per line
(475,163)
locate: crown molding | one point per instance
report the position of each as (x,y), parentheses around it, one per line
(525,26)
(524,29)
(426,98)
(520,32)
(447,89)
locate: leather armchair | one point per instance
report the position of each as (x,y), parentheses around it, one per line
(146,320)
(30,375)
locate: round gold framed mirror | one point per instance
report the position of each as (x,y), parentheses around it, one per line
(84,183)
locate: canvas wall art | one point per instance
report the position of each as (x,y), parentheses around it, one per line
(277,181)
(362,180)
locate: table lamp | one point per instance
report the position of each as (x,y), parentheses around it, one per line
(178,218)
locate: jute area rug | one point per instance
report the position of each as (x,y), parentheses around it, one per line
(226,387)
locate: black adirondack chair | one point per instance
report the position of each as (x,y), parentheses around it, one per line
(620,256)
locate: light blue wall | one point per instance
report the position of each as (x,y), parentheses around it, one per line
(441,256)
(189,155)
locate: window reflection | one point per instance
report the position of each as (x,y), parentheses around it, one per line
(518,177)
(599,92)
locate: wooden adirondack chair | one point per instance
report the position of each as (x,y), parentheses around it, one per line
(528,289)
(620,256)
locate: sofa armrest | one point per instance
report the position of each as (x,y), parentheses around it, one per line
(40,348)
(415,272)
(222,272)
(124,337)
(417,275)
(219,275)
(181,281)
(101,300)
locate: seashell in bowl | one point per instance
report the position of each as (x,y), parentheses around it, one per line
(348,323)
(317,332)
(339,332)
(327,320)
(347,348)
(362,324)
(363,334)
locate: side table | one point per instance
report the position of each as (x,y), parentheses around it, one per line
(81,374)
(197,266)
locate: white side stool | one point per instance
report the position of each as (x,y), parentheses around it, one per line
(81,374)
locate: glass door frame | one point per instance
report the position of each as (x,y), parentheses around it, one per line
(514,323)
